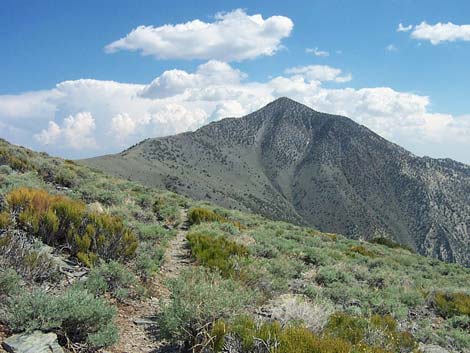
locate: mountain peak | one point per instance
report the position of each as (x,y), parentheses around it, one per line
(289,162)
(286,103)
(283,108)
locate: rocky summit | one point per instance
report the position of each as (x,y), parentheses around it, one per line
(289,162)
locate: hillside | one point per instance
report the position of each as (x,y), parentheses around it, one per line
(289,162)
(190,274)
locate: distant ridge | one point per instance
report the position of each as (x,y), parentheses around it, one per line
(289,162)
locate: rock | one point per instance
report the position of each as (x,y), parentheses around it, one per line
(432,348)
(36,342)
(144,322)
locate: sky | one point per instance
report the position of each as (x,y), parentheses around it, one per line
(86,78)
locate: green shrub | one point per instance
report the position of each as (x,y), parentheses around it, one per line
(350,328)
(374,334)
(360,249)
(5,170)
(272,337)
(460,322)
(66,177)
(314,257)
(9,282)
(451,304)
(59,221)
(5,220)
(390,243)
(113,278)
(148,260)
(198,299)
(199,215)
(167,209)
(152,232)
(285,268)
(301,340)
(18,163)
(328,275)
(75,314)
(216,252)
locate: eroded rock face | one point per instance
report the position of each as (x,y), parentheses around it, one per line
(289,162)
(36,342)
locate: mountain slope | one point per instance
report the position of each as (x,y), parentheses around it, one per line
(287,161)
(197,266)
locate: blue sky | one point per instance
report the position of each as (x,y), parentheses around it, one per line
(414,93)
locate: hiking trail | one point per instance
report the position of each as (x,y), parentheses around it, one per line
(136,320)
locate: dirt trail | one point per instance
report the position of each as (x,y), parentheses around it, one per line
(177,256)
(135,320)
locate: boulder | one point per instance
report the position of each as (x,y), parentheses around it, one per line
(432,348)
(36,342)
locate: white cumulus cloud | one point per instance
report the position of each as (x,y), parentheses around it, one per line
(320,72)
(174,82)
(75,132)
(233,36)
(439,32)
(122,125)
(82,118)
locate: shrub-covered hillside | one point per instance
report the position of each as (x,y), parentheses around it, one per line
(73,244)
(81,253)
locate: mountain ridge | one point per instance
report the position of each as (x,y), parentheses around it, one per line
(289,162)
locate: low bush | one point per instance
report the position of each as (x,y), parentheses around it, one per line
(390,243)
(148,260)
(452,304)
(379,332)
(152,232)
(314,257)
(168,210)
(66,177)
(216,252)
(16,162)
(76,315)
(60,221)
(17,252)
(362,250)
(328,275)
(9,282)
(272,337)
(198,299)
(199,215)
(113,278)
(5,220)
(296,309)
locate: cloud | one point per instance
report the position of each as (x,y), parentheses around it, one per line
(321,73)
(174,82)
(391,48)
(233,36)
(317,52)
(122,125)
(440,32)
(402,28)
(50,135)
(76,132)
(82,118)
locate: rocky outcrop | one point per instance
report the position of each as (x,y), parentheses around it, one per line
(36,342)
